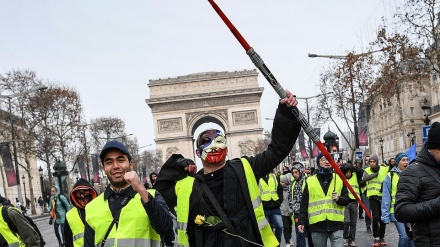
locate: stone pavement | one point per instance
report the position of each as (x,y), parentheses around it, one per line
(364,238)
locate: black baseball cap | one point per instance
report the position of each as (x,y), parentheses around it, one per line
(114,145)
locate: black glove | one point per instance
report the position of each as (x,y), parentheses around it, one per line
(183,162)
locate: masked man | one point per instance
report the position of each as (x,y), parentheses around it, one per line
(224,195)
(81,194)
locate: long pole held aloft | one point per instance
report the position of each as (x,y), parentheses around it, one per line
(259,63)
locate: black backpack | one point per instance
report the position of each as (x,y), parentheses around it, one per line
(13,227)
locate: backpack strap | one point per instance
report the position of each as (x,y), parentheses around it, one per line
(7,219)
(115,219)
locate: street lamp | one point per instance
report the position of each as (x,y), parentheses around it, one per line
(24,188)
(349,57)
(308,120)
(43,195)
(381,148)
(426,111)
(14,147)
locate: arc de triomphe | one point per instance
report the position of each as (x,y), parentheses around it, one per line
(181,104)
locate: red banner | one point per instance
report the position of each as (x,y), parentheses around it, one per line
(8,165)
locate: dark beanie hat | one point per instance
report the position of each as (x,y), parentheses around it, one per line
(434,136)
(320,155)
(399,156)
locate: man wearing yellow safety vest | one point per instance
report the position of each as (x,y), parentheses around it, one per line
(272,197)
(126,214)
(322,205)
(374,176)
(15,229)
(82,193)
(221,204)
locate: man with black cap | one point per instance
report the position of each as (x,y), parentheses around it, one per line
(126,214)
(418,192)
(374,177)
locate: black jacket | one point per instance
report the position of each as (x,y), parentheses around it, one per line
(326,225)
(418,200)
(230,190)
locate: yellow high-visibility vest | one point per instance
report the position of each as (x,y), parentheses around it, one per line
(134,228)
(77,227)
(183,191)
(374,185)
(11,238)
(269,189)
(322,206)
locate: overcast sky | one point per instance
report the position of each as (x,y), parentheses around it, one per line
(109,50)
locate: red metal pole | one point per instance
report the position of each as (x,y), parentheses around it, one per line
(259,63)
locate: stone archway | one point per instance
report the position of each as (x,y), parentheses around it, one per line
(181,104)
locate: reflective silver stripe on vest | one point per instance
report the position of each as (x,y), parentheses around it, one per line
(374,189)
(375,182)
(182,226)
(14,245)
(262,223)
(320,203)
(130,242)
(323,211)
(78,236)
(263,192)
(256,202)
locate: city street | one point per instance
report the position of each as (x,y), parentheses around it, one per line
(363,239)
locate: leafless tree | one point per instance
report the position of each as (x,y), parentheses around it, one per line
(16,82)
(56,114)
(420,19)
(105,129)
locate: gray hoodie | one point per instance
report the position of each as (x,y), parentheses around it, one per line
(285,208)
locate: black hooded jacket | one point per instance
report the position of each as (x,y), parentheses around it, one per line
(229,187)
(418,200)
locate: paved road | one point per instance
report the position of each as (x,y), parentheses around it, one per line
(363,239)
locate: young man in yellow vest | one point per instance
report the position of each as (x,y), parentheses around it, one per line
(374,177)
(322,205)
(126,214)
(82,193)
(226,190)
(272,197)
(389,199)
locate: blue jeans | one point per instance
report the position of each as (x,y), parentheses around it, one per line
(404,240)
(336,238)
(273,216)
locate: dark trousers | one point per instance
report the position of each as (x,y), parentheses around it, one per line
(366,202)
(287,226)
(301,237)
(350,220)
(378,225)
